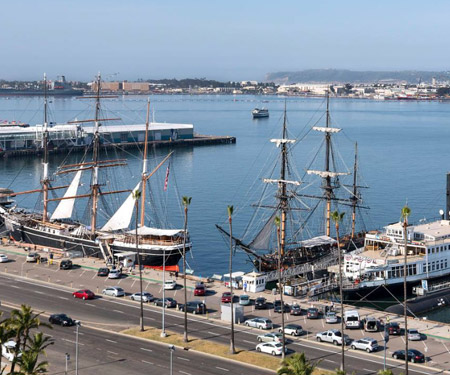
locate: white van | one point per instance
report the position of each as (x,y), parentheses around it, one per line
(8,350)
(351,319)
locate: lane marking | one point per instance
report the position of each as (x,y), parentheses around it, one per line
(221,368)
(109,351)
(147,350)
(15,286)
(65,298)
(39,292)
(118,311)
(184,372)
(90,304)
(114,342)
(184,359)
(149,363)
(72,341)
(248,342)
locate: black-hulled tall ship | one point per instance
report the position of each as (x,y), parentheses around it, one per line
(319,251)
(157,246)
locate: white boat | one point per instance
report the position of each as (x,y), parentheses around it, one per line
(260,112)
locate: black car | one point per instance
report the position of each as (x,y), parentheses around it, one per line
(296,309)
(413,355)
(103,271)
(195,307)
(394,329)
(170,302)
(61,319)
(260,303)
(277,306)
(65,264)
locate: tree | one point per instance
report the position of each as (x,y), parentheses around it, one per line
(136,194)
(230,213)
(29,360)
(385,372)
(5,335)
(406,211)
(186,202)
(297,364)
(337,218)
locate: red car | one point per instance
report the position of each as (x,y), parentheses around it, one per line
(199,290)
(226,297)
(83,294)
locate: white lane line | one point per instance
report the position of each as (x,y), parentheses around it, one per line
(39,292)
(119,281)
(175,293)
(114,342)
(90,304)
(118,311)
(65,298)
(249,342)
(71,341)
(221,368)
(109,351)
(328,360)
(133,283)
(149,363)
(82,273)
(184,372)
(15,286)
(212,333)
(323,324)
(184,359)
(93,277)
(147,350)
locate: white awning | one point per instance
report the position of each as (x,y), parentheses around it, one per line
(234,274)
(326,129)
(147,231)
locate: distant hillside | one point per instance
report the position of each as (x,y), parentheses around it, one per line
(351,76)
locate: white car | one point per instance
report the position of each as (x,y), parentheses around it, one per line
(170,284)
(368,344)
(3,258)
(414,335)
(269,337)
(114,274)
(292,329)
(114,291)
(146,297)
(331,317)
(274,348)
(32,257)
(333,336)
(8,350)
(261,323)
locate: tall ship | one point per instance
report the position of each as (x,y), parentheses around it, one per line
(156,246)
(299,252)
(60,87)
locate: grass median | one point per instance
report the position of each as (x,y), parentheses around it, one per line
(205,346)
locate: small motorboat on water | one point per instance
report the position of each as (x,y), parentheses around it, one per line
(260,112)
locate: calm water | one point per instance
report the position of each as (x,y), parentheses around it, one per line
(403,149)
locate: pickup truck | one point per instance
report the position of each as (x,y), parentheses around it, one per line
(332,336)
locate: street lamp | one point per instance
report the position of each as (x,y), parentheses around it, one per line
(163,333)
(77,324)
(171,349)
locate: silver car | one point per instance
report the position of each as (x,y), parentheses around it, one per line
(146,297)
(244,300)
(261,323)
(331,317)
(368,344)
(114,291)
(269,337)
(414,335)
(292,329)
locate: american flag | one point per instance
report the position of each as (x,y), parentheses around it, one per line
(166,181)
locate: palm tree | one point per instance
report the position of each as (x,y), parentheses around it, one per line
(280,284)
(28,361)
(385,372)
(22,322)
(337,218)
(230,213)
(406,211)
(297,364)
(186,202)
(136,194)
(5,335)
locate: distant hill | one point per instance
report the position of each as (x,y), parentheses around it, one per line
(351,76)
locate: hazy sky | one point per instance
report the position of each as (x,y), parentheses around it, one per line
(225,40)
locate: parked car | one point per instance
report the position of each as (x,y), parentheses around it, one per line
(292,329)
(83,294)
(113,291)
(170,284)
(146,297)
(368,344)
(312,313)
(114,274)
(351,319)
(333,336)
(199,290)
(261,323)
(226,297)
(331,317)
(296,309)
(65,264)
(244,300)
(32,257)
(260,303)
(371,325)
(414,335)
(277,307)
(169,302)
(61,319)
(3,258)
(413,355)
(8,350)
(269,337)
(103,272)
(194,307)
(274,348)
(393,328)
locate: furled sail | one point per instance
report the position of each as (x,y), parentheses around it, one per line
(262,240)
(122,218)
(65,207)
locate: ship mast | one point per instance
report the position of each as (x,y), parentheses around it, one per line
(95,187)
(45,180)
(354,198)
(282,187)
(327,180)
(144,166)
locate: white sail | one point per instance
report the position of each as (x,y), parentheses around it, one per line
(326,129)
(121,219)
(65,207)
(324,174)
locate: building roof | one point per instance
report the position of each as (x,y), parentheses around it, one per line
(138,127)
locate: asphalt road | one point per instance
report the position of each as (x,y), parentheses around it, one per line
(119,313)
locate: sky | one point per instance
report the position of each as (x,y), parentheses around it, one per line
(223,40)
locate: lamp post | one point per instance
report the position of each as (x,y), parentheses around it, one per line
(163,332)
(77,324)
(171,349)
(67,362)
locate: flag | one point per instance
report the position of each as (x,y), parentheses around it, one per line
(166,181)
